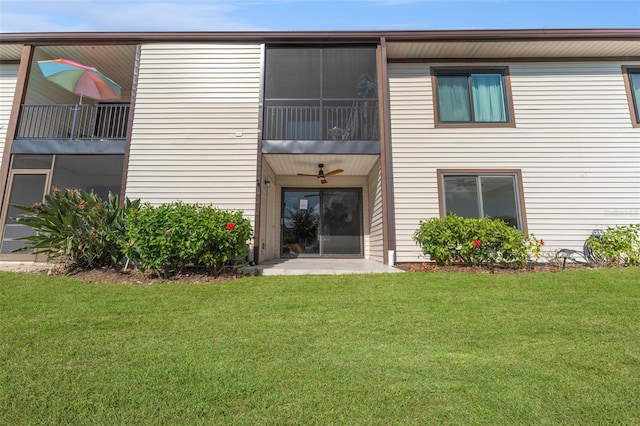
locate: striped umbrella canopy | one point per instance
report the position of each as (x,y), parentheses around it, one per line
(83,80)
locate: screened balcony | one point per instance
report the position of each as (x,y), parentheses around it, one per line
(73,122)
(321,99)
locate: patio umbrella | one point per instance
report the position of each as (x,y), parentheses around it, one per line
(83,80)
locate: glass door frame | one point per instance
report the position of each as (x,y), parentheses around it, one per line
(5,208)
(320,236)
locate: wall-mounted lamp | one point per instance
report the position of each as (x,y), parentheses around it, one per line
(267,182)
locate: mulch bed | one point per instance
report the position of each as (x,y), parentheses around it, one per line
(137,277)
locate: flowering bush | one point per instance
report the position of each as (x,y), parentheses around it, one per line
(469,241)
(169,237)
(534,246)
(617,245)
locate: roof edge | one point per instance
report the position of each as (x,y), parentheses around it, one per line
(322,36)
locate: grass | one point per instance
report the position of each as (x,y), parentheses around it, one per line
(540,348)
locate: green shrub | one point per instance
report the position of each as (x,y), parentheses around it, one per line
(169,237)
(469,241)
(77,228)
(617,245)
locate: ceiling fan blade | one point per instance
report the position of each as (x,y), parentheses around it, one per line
(323,181)
(334,172)
(304,174)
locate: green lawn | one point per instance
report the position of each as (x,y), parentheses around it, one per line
(430,348)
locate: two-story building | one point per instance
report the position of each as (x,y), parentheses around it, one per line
(336,143)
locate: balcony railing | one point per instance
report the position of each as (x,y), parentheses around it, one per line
(80,122)
(355,120)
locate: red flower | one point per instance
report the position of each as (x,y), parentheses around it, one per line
(231,226)
(460,260)
(541,242)
(477,243)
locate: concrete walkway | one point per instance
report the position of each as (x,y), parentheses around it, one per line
(288,266)
(322,266)
(25,266)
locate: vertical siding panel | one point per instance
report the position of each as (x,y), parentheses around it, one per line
(579,154)
(196,125)
(375,214)
(8,79)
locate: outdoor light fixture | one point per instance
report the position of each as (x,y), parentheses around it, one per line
(267,182)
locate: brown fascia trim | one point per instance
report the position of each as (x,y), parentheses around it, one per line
(322,36)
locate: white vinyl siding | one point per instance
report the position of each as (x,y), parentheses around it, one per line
(579,154)
(8,79)
(195,129)
(374,203)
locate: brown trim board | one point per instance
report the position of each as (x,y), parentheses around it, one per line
(51,38)
(386,165)
(18,99)
(259,158)
(627,86)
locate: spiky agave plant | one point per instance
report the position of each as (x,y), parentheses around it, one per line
(77,228)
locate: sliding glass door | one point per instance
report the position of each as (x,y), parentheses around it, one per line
(322,222)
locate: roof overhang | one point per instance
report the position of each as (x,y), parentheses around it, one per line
(401,45)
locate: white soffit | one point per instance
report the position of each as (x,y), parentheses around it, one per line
(292,164)
(513,49)
(10,52)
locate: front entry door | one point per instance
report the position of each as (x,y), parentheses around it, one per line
(322,222)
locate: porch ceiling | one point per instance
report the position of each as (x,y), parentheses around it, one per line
(292,164)
(10,52)
(115,61)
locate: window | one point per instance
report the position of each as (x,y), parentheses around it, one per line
(475,97)
(632,83)
(494,194)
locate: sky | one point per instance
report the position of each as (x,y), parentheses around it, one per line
(312,15)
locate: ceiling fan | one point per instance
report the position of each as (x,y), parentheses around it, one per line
(321,176)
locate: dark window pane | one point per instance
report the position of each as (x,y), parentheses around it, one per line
(25,191)
(453,98)
(29,161)
(461,196)
(499,198)
(292,73)
(99,173)
(349,73)
(341,227)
